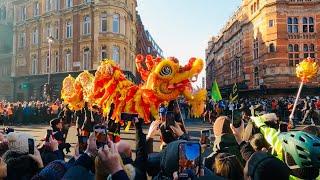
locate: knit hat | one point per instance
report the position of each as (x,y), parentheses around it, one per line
(53,171)
(54,122)
(18,141)
(222,126)
(264,166)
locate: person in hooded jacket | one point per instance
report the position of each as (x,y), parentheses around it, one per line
(225,142)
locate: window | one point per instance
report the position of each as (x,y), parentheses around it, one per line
(256,76)
(68,29)
(56,31)
(34,65)
(86,25)
(308,51)
(270,23)
(116,54)
(308,24)
(56,62)
(67,61)
(103,22)
(272,48)
(293,25)
(3,13)
(48,28)
(116,23)
(124,57)
(293,54)
(103,52)
(23,13)
(22,40)
(36,9)
(57,5)
(256,49)
(47,64)
(48,5)
(35,36)
(86,59)
(69,3)
(86,1)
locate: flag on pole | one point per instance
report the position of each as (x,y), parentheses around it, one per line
(215,92)
(234,94)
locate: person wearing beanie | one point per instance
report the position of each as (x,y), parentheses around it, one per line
(263,166)
(224,142)
(53,171)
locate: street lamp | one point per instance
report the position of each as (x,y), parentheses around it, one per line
(50,41)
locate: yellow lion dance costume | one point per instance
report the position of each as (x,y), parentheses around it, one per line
(163,80)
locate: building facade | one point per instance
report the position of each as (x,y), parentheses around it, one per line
(261,44)
(145,43)
(6,36)
(83,32)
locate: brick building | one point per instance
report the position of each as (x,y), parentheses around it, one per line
(260,45)
(84,32)
(145,43)
(6,34)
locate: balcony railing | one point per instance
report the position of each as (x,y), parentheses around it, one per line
(276,71)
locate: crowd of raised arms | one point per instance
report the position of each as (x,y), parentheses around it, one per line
(249,139)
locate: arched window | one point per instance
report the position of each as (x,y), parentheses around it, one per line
(290,48)
(69,29)
(289,24)
(86,25)
(311,47)
(68,60)
(116,54)
(296,48)
(116,23)
(57,62)
(305,48)
(311,24)
(256,76)
(295,20)
(86,59)
(272,48)
(34,65)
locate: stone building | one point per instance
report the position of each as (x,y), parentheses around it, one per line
(83,33)
(261,44)
(145,43)
(6,36)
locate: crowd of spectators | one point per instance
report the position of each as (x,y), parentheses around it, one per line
(256,149)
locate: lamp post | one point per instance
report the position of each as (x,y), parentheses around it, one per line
(50,41)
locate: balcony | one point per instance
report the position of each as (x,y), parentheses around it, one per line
(312,35)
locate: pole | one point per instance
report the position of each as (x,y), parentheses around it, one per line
(295,104)
(50,40)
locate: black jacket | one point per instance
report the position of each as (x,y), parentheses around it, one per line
(225,143)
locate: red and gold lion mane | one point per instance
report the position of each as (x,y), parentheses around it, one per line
(163,80)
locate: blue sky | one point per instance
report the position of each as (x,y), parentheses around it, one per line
(182,28)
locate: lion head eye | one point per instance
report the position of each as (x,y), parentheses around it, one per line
(166,71)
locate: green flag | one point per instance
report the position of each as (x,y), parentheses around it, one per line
(215,92)
(234,94)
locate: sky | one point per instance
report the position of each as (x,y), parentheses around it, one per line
(182,28)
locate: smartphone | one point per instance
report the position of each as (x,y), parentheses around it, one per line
(170,119)
(49,133)
(205,134)
(236,119)
(189,159)
(83,142)
(128,116)
(283,127)
(101,135)
(31,146)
